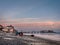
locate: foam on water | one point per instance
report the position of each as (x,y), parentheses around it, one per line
(55,37)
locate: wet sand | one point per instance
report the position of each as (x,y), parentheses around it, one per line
(11,42)
(27,40)
(40,41)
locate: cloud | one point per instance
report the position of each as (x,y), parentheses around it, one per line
(28,20)
(31,23)
(21,20)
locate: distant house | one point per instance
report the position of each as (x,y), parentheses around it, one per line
(1,27)
(9,29)
(47,31)
(5,29)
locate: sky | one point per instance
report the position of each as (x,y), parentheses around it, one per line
(29,11)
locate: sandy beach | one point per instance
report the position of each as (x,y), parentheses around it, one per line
(26,40)
(8,41)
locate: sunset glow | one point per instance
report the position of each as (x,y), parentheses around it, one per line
(30,13)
